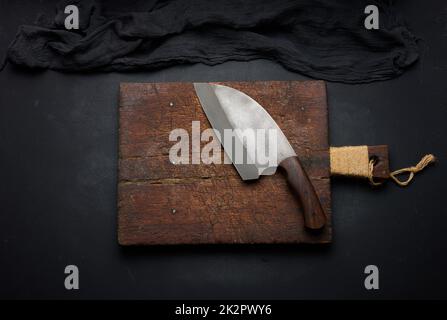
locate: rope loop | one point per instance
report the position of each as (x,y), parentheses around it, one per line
(425,161)
(354,161)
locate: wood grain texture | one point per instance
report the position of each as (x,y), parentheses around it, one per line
(163,203)
(314,216)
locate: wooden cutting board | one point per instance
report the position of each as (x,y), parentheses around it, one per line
(163,203)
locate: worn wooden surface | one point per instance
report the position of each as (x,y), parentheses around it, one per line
(299,182)
(381,168)
(163,203)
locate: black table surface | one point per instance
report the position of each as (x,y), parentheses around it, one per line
(58,175)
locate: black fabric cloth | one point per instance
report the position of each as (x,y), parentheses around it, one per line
(323,39)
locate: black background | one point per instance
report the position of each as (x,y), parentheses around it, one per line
(58,173)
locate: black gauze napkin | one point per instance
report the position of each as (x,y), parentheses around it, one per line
(322,39)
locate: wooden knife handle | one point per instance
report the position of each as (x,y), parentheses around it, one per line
(314,217)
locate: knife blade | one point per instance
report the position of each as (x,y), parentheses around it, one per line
(230,110)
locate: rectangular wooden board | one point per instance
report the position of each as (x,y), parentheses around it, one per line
(163,203)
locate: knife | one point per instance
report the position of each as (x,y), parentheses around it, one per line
(230,109)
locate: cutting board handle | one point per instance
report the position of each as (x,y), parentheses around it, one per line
(314,217)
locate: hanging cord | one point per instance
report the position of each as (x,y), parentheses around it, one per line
(425,161)
(354,161)
(371,164)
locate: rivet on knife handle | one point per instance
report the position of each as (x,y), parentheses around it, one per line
(314,217)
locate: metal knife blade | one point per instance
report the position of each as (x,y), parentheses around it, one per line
(228,108)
